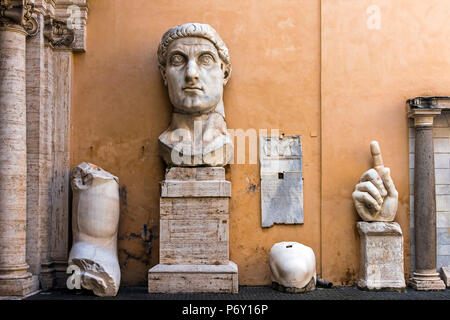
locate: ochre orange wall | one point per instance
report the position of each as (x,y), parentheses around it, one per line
(306,67)
(366,77)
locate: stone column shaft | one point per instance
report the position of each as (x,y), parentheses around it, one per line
(425,276)
(13,168)
(424,201)
(14,277)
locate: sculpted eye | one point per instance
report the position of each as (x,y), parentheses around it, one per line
(177,59)
(206,59)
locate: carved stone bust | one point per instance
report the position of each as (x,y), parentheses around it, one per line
(195,67)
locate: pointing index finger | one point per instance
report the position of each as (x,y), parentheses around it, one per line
(376,155)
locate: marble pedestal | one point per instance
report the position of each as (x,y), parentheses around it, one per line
(381,262)
(194,218)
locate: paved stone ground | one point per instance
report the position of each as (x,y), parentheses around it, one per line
(249,293)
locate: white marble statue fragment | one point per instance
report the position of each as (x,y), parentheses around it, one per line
(195,67)
(293,267)
(375,197)
(95,219)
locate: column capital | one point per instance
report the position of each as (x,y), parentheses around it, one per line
(424,109)
(423,117)
(18,15)
(74,13)
(58,34)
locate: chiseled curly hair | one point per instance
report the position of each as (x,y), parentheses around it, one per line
(193,30)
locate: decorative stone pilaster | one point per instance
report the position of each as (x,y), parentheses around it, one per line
(16,22)
(62,30)
(425,276)
(38,36)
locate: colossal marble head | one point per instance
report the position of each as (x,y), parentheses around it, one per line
(195,66)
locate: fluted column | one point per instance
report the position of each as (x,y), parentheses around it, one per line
(15,24)
(425,276)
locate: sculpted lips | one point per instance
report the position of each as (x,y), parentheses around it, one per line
(192,89)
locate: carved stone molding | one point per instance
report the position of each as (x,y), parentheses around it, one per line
(75,14)
(435,102)
(58,34)
(18,13)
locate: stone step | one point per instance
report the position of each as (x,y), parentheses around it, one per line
(164,278)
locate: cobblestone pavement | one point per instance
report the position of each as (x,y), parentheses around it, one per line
(249,293)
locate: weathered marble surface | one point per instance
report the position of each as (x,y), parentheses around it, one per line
(95,225)
(195,67)
(381,256)
(281,180)
(445,275)
(39,65)
(48,178)
(293,267)
(222,278)
(15,280)
(194,219)
(375,197)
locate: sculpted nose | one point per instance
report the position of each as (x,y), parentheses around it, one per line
(191,72)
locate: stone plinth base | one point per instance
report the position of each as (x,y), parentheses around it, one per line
(164,278)
(426,282)
(374,285)
(194,219)
(311,286)
(47,277)
(19,287)
(381,262)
